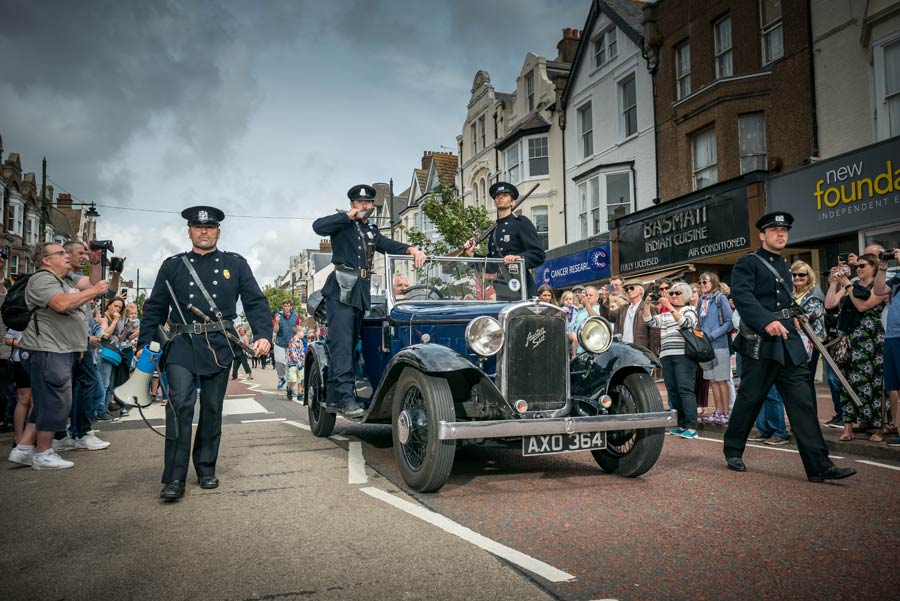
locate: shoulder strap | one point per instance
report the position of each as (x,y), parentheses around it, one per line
(200,285)
(778,278)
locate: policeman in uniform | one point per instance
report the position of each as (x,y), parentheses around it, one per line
(347,290)
(514,238)
(211,280)
(768,308)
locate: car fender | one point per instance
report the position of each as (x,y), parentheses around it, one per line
(317,357)
(592,376)
(427,358)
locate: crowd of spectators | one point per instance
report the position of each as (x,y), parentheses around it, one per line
(854,317)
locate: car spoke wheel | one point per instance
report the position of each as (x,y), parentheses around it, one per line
(421,402)
(631,453)
(321,423)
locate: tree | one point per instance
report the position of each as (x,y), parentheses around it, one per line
(139,301)
(276,296)
(454,222)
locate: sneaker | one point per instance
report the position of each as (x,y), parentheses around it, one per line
(724,418)
(758,437)
(893,442)
(63,444)
(710,419)
(49,460)
(124,413)
(835,422)
(90,442)
(104,417)
(689,434)
(21,456)
(676,431)
(776,441)
(280,383)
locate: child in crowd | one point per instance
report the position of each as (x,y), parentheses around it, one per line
(296,357)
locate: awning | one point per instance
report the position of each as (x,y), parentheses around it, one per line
(652,276)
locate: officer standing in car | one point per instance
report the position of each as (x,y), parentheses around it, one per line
(347,290)
(767,306)
(514,238)
(212,281)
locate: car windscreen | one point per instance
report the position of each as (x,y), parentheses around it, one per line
(456,278)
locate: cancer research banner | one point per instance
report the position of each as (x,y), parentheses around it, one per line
(843,194)
(577,268)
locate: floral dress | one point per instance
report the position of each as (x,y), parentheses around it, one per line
(864,369)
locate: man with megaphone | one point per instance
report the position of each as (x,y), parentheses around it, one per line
(203,286)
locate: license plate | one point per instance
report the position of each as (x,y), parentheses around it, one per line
(548,444)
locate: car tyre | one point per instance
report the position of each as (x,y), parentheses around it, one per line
(420,403)
(321,423)
(630,453)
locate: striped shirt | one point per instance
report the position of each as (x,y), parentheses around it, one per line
(672,343)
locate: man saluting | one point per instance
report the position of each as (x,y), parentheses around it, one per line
(212,281)
(347,290)
(514,238)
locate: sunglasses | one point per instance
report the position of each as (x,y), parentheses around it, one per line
(704,281)
(862,264)
(663,287)
(799,275)
(674,293)
(629,288)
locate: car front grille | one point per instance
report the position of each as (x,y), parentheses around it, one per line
(534,360)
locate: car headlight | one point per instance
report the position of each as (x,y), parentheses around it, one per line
(484,335)
(595,335)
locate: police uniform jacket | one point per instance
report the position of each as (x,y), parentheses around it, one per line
(226,276)
(352,241)
(756,295)
(516,235)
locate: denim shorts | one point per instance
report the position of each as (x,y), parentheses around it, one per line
(719,369)
(51,388)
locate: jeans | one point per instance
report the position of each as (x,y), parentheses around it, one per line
(834,385)
(770,421)
(99,404)
(106,371)
(679,376)
(85,388)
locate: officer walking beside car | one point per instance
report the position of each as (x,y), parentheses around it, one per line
(347,290)
(514,238)
(777,357)
(211,280)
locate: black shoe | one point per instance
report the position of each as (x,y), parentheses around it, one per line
(208,481)
(736,464)
(354,410)
(835,422)
(290,394)
(833,473)
(172,491)
(333,408)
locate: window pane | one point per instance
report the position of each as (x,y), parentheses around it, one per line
(770,10)
(683,69)
(618,196)
(612,43)
(582,209)
(595,206)
(723,48)
(752,133)
(892,69)
(774,48)
(587,138)
(541,224)
(894,114)
(538,163)
(599,52)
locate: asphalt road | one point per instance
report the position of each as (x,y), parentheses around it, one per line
(301,517)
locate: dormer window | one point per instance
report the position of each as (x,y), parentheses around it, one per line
(605,47)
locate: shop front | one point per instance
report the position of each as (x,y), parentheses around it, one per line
(707,230)
(842,204)
(587,266)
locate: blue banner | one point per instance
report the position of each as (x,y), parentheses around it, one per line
(577,268)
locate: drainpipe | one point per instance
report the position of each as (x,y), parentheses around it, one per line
(562,128)
(496,152)
(812,80)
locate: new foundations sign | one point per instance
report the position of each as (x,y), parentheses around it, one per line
(702,226)
(847,193)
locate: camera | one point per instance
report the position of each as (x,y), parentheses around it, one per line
(887,255)
(843,257)
(845,269)
(102,245)
(117,264)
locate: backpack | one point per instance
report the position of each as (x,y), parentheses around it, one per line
(15,311)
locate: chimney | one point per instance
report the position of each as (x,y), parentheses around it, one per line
(64,201)
(427,158)
(568,45)
(324,245)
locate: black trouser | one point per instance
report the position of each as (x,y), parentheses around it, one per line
(85,382)
(240,359)
(182,397)
(795,384)
(6,376)
(344,324)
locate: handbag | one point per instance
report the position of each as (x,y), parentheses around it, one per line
(697,346)
(109,353)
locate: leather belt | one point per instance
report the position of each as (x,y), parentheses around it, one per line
(784,314)
(363,273)
(202,328)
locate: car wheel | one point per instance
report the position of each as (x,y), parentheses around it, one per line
(630,453)
(420,403)
(320,423)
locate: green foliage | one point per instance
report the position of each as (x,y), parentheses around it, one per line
(276,296)
(139,301)
(454,222)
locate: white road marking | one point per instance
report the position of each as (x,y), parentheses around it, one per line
(763,446)
(875,463)
(356,465)
(257,421)
(338,437)
(518,558)
(298,425)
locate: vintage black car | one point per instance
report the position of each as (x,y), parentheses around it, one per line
(446,363)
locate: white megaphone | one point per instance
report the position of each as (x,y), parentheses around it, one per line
(136,391)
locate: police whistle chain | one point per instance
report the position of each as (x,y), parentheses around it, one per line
(484,235)
(231,337)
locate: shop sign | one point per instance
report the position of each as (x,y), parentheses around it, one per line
(577,268)
(665,235)
(843,194)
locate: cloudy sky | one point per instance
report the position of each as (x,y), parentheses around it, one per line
(269,108)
